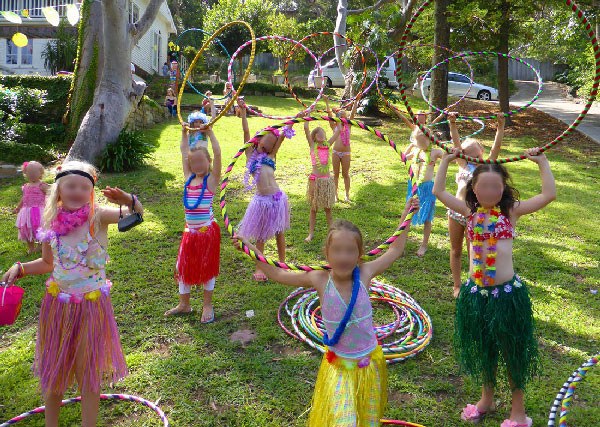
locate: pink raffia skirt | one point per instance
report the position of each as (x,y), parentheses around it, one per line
(265,217)
(28,221)
(66,328)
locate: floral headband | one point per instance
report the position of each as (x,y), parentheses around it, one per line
(197,116)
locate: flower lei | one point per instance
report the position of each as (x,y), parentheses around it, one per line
(255,163)
(64,223)
(417,168)
(484,273)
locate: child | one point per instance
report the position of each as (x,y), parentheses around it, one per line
(199,251)
(207,104)
(228,92)
(77,337)
(268,214)
(30,207)
(341,149)
(196,120)
(351,388)
(494,316)
(420,154)
(457,224)
(171,102)
(320,192)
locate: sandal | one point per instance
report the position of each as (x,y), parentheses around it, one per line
(509,423)
(471,414)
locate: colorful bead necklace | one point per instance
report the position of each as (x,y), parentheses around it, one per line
(484,273)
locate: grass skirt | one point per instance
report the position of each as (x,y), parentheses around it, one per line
(265,217)
(349,396)
(28,221)
(496,323)
(320,193)
(426,202)
(199,253)
(66,328)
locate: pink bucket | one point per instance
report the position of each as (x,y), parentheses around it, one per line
(10,304)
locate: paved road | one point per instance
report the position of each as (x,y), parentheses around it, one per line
(553,103)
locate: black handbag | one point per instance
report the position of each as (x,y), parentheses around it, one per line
(130,221)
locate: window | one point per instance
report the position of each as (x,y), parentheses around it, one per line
(11,53)
(134,12)
(27,53)
(462,79)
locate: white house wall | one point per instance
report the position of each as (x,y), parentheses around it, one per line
(37,66)
(142,53)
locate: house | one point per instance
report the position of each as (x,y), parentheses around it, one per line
(148,55)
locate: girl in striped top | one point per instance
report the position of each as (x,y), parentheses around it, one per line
(198,258)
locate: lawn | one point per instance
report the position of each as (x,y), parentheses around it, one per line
(201,378)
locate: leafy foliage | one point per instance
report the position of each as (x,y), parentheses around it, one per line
(60,52)
(130,151)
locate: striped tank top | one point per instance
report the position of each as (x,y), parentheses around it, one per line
(198,212)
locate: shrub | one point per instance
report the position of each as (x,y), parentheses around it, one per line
(129,151)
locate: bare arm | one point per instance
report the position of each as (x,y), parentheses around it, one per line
(43,265)
(185,148)
(456,137)
(498,140)
(308,137)
(410,124)
(439,189)
(336,134)
(111,215)
(354,107)
(437,119)
(44,187)
(216,149)
(409,153)
(19,206)
(213,110)
(548,193)
(244,116)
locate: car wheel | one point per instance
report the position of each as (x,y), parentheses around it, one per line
(484,95)
(328,83)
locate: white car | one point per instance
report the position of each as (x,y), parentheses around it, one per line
(458,85)
(335,78)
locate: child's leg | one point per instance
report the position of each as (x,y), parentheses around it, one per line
(52,403)
(90,401)
(311,225)
(184,301)
(259,276)
(328,216)
(517,411)
(336,172)
(426,233)
(487,399)
(280,239)
(346,174)
(208,312)
(456,232)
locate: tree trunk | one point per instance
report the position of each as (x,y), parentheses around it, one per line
(503,41)
(438,94)
(117,94)
(340,28)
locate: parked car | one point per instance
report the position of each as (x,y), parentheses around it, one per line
(335,78)
(458,85)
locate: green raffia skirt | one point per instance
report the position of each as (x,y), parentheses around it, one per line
(495,323)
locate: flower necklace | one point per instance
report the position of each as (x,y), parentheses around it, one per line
(417,167)
(484,273)
(64,223)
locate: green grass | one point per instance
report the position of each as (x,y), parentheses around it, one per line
(202,379)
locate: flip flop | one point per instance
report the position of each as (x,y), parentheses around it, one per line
(509,423)
(260,277)
(212,319)
(471,414)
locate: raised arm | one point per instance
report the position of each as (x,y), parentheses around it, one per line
(308,137)
(409,123)
(213,110)
(439,188)
(456,137)
(216,149)
(438,118)
(548,193)
(354,107)
(244,116)
(498,140)
(185,149)
(336,134)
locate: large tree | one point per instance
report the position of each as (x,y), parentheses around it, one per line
(438,94)
(106,24)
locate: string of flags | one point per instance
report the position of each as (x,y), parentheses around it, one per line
(49,12)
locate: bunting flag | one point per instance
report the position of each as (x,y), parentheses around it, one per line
(12,17)
(72,14)
(51,15)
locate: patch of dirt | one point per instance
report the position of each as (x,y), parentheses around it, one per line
(243,336)
(287,351)
(398,397)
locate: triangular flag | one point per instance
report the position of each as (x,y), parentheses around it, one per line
(25,13)
(51,15)
(12,17)
(20,39)
(72,14)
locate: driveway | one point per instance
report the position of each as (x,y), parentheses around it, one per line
(554,103)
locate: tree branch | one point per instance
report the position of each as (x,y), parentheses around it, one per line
(374,7)
(138,29)
(406,14)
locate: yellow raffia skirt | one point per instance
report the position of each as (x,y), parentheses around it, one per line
(349,396)
(320,192)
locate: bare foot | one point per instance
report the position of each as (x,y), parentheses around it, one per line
(180,309)
(208,314)
(309,238)
(456,292)
(347,199)
(422,250)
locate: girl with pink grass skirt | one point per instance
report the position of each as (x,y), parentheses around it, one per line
(77,337)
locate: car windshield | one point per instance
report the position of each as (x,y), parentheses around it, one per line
(330,64)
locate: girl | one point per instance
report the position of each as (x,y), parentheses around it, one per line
(171,102)
(228,92)
(351,388)
(341,149)
(457,224)
(207,104)
(320,192)
(31,205)
(494,315)
(77,337)
(198,257)
(268,214)
(421,155)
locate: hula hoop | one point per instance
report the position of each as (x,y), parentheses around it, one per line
(389,104)
(371,254)
(317,62)
(400,423)
(349,42)
(181,70)
(590,33)
(565,396)
(408,336)
(463,55)
(228,105)
(144,402)
(479,122)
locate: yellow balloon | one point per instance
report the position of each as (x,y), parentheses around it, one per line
(20,39)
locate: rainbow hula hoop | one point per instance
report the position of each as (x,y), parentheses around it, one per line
(298,267)
(463,55)
(140,400)
(590,32)
(348,42)
(479,122)
(317,62)
(566,393)
(400,423)
(181,69)
(389,104)
(228,105)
